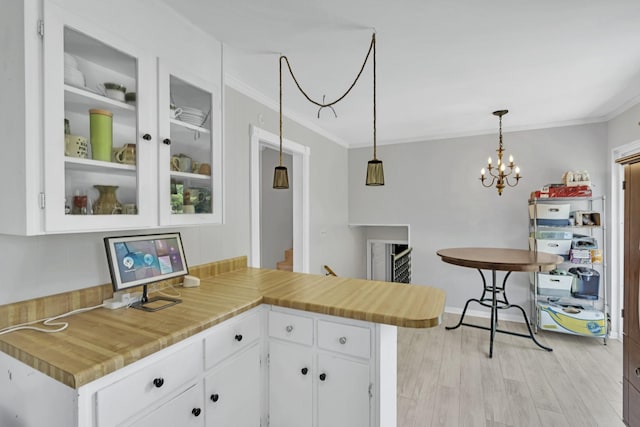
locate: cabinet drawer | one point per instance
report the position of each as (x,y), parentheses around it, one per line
(184,410)
(151,383)
(230,337)
(290,327)
(347,339)
(633,367)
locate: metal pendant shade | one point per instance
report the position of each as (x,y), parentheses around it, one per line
(375,173)
(280,178)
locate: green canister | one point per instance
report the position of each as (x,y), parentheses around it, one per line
(101,132)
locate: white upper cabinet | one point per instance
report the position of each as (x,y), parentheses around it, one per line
(190,176)
(108,151)
(79,61)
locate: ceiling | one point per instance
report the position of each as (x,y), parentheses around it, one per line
(442,66)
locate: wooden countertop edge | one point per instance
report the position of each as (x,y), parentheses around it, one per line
(84,376)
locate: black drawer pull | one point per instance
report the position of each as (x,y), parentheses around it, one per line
(323,377)
(304,371)
(146,137)
(638,372)
(214,397)
(158,382)
(196,412)
(238,337)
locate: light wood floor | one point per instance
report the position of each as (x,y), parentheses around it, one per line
(445,378)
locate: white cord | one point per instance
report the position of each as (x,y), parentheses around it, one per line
(159,291)
(47,322)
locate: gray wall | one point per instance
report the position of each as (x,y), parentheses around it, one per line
(433,187)
(276,210)
(45,265)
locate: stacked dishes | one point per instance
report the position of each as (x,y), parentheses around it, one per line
(72,75)
(193,116)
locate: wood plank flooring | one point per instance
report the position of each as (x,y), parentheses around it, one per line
(445,378)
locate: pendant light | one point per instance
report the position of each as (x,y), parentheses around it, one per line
(375,172)
(280,175)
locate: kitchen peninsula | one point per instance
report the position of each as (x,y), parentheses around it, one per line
(129,367)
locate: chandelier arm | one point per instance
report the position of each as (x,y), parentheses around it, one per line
(493,180)
(509,183)
(322,104)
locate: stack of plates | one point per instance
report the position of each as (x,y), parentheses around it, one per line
(72,75)
(193,116)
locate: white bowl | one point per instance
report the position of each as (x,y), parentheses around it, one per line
(70,60)
(75,80)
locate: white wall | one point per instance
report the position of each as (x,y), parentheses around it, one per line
(276,213)
(433,187)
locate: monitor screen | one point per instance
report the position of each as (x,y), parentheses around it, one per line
(140,260)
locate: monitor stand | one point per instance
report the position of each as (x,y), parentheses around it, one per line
(155,303)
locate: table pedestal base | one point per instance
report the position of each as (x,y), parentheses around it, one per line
(496,304)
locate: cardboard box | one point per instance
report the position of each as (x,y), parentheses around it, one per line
(571,320)
(549,192)
(587,218)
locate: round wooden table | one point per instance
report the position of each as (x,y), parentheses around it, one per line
(498,259)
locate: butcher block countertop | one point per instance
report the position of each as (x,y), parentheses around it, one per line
(100,341)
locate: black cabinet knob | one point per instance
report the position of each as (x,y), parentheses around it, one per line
(214,397)
(146,137)
(158,382)
(637,372)
(238,337)
(304,371)
(196,412)
(166,141)
(323,377)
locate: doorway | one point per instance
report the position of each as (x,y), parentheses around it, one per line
(299,187)
(617,234)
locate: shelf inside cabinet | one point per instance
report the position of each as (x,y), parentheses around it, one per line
(186,128)
(81,100)
(89,165)
(190,176)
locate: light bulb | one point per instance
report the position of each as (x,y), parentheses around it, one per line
(482,172)
(511,159)
(502,167)
(489,161)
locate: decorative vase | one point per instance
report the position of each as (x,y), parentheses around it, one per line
(107,203)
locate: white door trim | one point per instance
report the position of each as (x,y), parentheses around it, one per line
(617,235)
(299,186)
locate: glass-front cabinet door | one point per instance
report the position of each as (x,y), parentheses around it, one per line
(100,140)
(189,167)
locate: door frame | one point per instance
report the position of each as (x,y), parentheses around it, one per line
(371,242)
(617,235)
(300,187)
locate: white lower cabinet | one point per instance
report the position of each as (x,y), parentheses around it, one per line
(310,386)
(184,410)
(290,384)
(233,391)
(343,392)
(323,371)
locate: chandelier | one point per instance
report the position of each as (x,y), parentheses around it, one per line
(498,174)
(375,173)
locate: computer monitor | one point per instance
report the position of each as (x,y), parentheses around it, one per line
(144,259)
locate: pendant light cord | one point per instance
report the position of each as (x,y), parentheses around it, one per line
(329,104)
